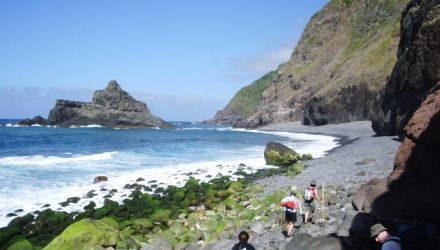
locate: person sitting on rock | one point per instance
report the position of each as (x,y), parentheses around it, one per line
(290,205)
(310,194)
(243,238)
(382,235)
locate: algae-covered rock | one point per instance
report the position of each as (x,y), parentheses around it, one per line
(20,244)
(142,226)
(277,154)
(110,221)
(6,233)
(306,157)
(161,215)
(85,234)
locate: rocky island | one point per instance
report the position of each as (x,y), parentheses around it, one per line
(111,107)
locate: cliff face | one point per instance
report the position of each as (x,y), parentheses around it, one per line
(412,190)
(111,107)
(417,71)
(342,60)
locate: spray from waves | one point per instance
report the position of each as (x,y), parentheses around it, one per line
(316,145)
(40,160)
(31,198)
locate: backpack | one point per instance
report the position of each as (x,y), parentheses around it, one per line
(308,194)
(287,202)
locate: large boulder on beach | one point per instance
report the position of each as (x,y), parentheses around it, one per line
(111,107)
(413,189)
(277,154)
(417,71)
(85,234)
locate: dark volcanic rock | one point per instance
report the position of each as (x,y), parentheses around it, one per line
(413,186)
(417,72)
(37,120)
(111,107)
(100,178)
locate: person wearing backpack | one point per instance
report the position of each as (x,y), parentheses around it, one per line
(310,194)
(290,205)
(243,244)
(382,235)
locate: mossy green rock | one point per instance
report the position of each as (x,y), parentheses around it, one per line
(85,234)
(142,226)
(22,244)
(161,215)
(110,221)
(277,154)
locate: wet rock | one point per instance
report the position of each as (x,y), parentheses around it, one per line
(100,178)
(91,194)
(140,179)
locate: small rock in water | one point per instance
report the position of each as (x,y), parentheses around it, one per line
(140,179)
(63,204)
(90,194)
(100,179)
(45,205)
(73,200)
(152,181)
(108,196)
(11,215)
(112,191)
(103,189)
(18,211)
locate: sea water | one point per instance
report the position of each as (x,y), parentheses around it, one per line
(40,167)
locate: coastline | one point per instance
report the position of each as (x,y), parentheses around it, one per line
(360,156)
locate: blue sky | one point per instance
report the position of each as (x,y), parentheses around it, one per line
(185,59)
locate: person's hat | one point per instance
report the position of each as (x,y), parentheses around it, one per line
(294,189)
(376,229)
(313,183)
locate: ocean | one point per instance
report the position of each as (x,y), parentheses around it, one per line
(43,166)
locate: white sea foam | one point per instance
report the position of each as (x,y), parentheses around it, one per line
(39,160)
(31,197)
(86,126)
(316,145)
(11,125)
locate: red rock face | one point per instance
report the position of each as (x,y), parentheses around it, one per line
(413,188)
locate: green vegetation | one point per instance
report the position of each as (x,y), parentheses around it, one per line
(248,98)
(179,215)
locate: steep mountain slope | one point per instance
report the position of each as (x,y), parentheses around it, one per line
(244,102)
(342,60)
(417,71)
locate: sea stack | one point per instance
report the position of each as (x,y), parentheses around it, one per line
(111,107)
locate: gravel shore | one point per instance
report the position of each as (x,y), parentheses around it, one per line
(360,157)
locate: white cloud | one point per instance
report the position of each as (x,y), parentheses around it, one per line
(255,66)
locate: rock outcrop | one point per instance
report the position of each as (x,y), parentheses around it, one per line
(111,107)
(417,71)
(341,62)
(412,189)
(36,120)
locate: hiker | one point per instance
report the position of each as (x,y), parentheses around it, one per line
(381,235)
(310,194)
(290,205)
(243,238)
(294,190)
